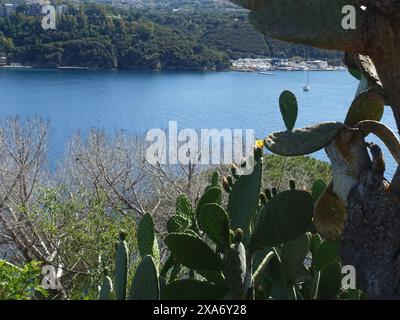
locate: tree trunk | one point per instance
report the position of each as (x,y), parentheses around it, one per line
(371,237)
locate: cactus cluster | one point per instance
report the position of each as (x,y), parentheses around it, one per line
(258,244)
(271,244)
(263,245)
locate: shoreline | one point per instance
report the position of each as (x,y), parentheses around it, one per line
(22,68)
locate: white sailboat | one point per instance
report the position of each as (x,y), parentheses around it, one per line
(307,87)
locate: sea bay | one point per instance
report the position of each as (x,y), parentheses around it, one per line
(135,101)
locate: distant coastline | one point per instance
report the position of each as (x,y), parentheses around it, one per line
(278,64)
(98,36)
(261,65)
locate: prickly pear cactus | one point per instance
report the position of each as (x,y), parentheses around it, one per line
(147,241)
(214,220)
(304,141)
(106,287)
(235,271)
(368,105)
(289,108)
(244,195)
(121,267)
(329,215)
(192,252)
(178,223)
(285,217)
(145,285)
(184,207)
(311,22)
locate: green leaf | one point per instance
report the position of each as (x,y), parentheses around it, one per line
(192,252)
(325,254)
(193,290)
(145,285)
(289,108)
(214,221)
(285,217)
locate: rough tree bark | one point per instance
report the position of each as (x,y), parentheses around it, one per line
(371,237)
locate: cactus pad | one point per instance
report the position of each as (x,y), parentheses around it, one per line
(289,108)
(121,270)
(214,221)
(212,195)
(184,207)
(330,281)
(177,223)
(146,235)
(215,179)
(235,270)
(192,252)
(311,22)
(368,105)
(145,285)
(244,198)
(293,255)
(329,216)
(304,141)
(106,288)
(285,217)
(324,255)
(318,189)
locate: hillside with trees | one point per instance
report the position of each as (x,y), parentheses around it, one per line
(100,36)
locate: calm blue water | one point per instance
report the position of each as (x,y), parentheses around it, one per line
(137,101)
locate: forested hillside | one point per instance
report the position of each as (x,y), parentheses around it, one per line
(101,36)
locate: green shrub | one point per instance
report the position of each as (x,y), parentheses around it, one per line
(20,283)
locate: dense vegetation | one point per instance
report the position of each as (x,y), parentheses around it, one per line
(96,36)
(99,36)
(75,213)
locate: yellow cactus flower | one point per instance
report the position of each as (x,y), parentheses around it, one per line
(260,143)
